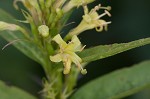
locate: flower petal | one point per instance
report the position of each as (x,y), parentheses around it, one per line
(59,41)
(56,58)
(74,45)
(75,58)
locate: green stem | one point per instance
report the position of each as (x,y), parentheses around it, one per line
(76,31)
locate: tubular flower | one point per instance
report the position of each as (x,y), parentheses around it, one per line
(33,7)
(12,27)
(91,19)
(67,54)
(75,3)
(8,26)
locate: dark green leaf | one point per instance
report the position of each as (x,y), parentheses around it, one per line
(103,51)
(117,84)
(11,92)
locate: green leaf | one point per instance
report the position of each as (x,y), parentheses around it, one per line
(28,48)
(11,92)
(103,51)
(117,84)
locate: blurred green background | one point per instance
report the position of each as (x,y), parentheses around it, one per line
(130,21)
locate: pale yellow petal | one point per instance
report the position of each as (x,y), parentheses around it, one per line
(76,41)
(56,58)
(75,58)
(74,45)
(59,41)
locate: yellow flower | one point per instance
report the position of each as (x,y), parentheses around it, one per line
(91,19)
(67,53)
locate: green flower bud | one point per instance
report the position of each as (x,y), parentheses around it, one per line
(59,12)
(43,30)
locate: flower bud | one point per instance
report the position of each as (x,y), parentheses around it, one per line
(43,30)
(8,26)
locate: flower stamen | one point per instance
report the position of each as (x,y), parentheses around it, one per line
(105,13)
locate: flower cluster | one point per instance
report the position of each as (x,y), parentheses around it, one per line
(55,52)
(47,18)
